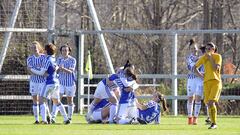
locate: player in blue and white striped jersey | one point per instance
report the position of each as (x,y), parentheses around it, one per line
(37,82)
(52,84)
(151,111)
(66,77)
(127,106)
(194,84)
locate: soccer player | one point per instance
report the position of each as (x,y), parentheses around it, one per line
(194,84)
(52,84)
(66,72)
(151,111)
(37,82)
(127,104)
(212,62)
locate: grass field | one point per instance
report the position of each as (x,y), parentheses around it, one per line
(22,125)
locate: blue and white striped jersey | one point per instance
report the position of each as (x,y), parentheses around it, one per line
(51,68)
(36,63)
(67,79)
(152,113)
(103,103)
(126,96)
(191,60)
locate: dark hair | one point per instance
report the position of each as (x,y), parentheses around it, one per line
(50,49)
(202,48)
(163,100)
(129,72)
(67,46)
(191,42)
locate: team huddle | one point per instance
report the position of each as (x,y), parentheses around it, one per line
(114,98)
(50,79)
(115,101)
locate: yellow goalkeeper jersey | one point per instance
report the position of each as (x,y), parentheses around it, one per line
(210,73)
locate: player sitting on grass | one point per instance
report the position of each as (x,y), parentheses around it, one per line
(151,111)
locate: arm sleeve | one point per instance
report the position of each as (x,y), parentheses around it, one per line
(133,84)
(73,64)
(29,62)
(218,60)
(199,62)
(38,72)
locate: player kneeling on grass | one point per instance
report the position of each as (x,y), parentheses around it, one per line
(52,84)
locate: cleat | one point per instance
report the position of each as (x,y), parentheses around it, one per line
(36,122)
(67,122)
(48,120)
(213,126)
(190,120)
(53,121)
(208,121)
(195,119)
(70,119)
(141,121)
(133,121)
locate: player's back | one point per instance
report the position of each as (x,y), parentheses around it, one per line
(191,60)
(51,70)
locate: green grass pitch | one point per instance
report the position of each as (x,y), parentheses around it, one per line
(170,125)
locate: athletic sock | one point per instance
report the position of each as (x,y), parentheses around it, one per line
(36,111)
(62,111)
(54,111)
(43,112)
(214,114)
(197,108)
(91,107)
(113,112)
(70,110)
(190,108)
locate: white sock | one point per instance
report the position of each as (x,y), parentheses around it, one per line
(189,108)
(36,111)
(112,113)
(197,108)
(48,111)
(54,111)
(124,121)
(43,112)
(91,107)
(62,111)
(70,110)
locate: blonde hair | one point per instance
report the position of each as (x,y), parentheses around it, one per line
(39,46)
